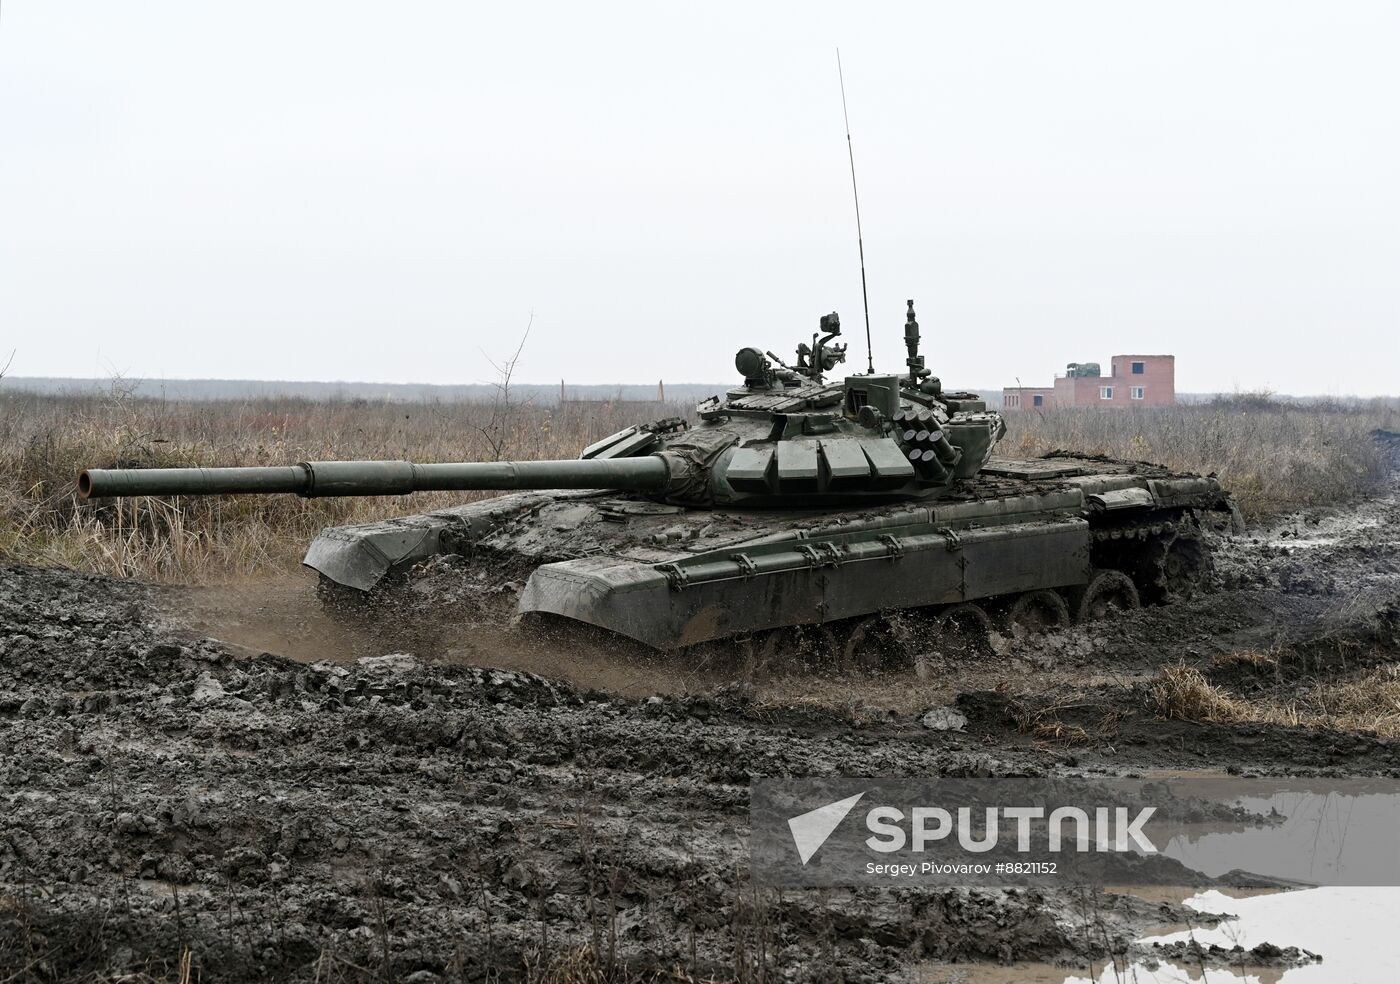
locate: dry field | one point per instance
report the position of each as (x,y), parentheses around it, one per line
(1276,457)
(45,441)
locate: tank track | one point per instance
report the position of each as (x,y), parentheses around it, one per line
(1155,559)
(1167,555)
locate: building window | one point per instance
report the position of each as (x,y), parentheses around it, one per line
(1139,368)
(1105,392)
(1039,400)
(1138,392)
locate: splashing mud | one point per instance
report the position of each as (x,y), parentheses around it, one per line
(284,616)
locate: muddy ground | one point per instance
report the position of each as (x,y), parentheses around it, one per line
(184,808)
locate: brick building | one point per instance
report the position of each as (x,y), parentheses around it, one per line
(1028,397)
(1132,381)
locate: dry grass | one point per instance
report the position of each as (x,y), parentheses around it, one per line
(1182,693)
(581,965)
(1042,721)
(1273,456)
(46,440)
(1370,702)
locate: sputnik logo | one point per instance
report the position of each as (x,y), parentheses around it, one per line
(810,830)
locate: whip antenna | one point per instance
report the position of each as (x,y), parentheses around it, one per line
(860,240)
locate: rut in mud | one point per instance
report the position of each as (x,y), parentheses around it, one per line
(393,815)
(409,817)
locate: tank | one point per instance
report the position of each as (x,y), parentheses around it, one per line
(861,514)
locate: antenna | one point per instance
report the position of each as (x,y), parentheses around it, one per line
(860,240)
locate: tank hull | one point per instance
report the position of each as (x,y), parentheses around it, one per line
(672,577)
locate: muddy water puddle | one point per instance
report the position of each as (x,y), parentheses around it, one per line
(1352,929)
(1314,539)
(1309,532)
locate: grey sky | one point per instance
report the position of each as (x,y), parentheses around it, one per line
(381,191)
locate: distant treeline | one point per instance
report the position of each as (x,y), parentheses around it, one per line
(239,389)
(538,394)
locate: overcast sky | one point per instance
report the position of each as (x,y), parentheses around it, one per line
(386,191)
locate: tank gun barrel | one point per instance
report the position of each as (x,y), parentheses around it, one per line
(648,473)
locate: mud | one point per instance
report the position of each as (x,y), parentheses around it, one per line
(183,803)
(1195,954)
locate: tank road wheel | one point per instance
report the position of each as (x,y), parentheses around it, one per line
(1184,566)
(1107,593)
(964,630)
(1034,613)
(890,639)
